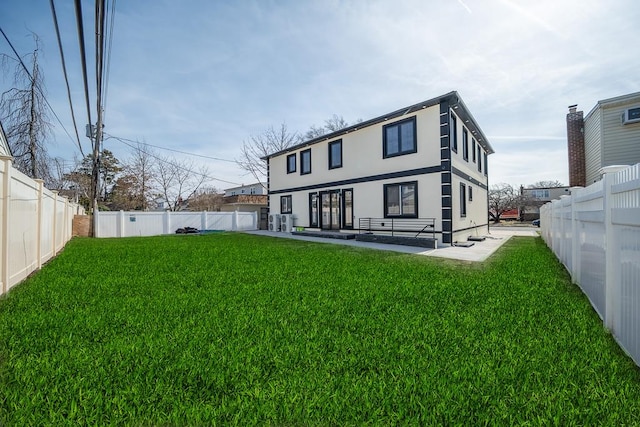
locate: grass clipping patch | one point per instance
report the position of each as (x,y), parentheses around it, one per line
(240,329)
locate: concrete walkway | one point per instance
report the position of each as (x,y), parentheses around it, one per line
(478,252)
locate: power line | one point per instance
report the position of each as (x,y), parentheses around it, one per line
(108,57)
(171,149)
(83,58)
(64,71)
(160,159)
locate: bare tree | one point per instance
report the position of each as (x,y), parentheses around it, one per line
(546,184)
(502,197)
(178,181)
(332,124)
(259,146)
(134,188)
(25,116)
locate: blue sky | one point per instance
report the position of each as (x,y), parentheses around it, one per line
(202,76)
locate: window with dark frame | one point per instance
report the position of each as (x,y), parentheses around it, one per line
(473,149)
(454,132)
(399,138)
(335,154)
(291,163)
(313,210)
(479,158)
(465,144)
(401,200)
(285,204)
(486,165)
(470,193)
(463,200)
(305,162)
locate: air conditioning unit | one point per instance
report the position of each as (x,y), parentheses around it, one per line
(286,223)
(631,115)
(274,222)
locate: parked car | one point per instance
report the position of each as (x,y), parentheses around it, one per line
(536,222)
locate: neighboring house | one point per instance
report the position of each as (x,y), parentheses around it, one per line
(427,160)
(609,135)
(247,198)
(259,188)
(533,198)
(4,144)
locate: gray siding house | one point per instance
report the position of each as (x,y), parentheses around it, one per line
(608,135)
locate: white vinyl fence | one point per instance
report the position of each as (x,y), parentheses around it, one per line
(595,233)
(138,223)
(35,223)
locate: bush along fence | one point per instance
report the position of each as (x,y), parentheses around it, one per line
(35,223)
(137,223)
(595,233)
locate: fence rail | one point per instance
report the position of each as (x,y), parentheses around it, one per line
(135,223)
(413,227)
(35,223)
(595,233)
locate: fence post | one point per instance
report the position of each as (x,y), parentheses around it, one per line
(575,239)
(203,220)
(234,221)
(612,285)
(120,224)
(166,223)
(40,183)
(55,223)
(6,201)
(96,224)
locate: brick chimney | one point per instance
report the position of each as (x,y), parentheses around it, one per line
(575,143)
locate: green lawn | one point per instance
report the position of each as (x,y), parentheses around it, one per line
(240,329)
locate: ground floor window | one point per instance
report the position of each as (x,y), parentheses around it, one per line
(313,210)
(401,200)
(285,205)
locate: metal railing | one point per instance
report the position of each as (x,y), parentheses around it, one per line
(414,227)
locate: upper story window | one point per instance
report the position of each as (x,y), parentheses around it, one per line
(401,200)
(399,138)
(291,163)
(465,144)
(305,162)
(473,149)
(486,165)
(335,154)
(454,132)
(479,158)
(540,194)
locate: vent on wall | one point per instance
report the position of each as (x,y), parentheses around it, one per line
(631,115)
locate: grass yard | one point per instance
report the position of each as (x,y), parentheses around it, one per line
(240,329)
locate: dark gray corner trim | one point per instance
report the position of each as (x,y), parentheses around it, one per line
(445,165)
(379,177)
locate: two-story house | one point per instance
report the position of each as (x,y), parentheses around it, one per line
(427,160)
(534,197)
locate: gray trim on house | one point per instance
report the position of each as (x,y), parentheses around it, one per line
(380,177)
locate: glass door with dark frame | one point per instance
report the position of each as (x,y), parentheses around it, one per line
(330,210)
(347,208)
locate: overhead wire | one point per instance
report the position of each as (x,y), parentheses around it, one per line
(108,53)
(160,159)
(171,149)
(83,57)
(64,71)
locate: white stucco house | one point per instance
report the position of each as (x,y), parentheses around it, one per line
(424,161)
